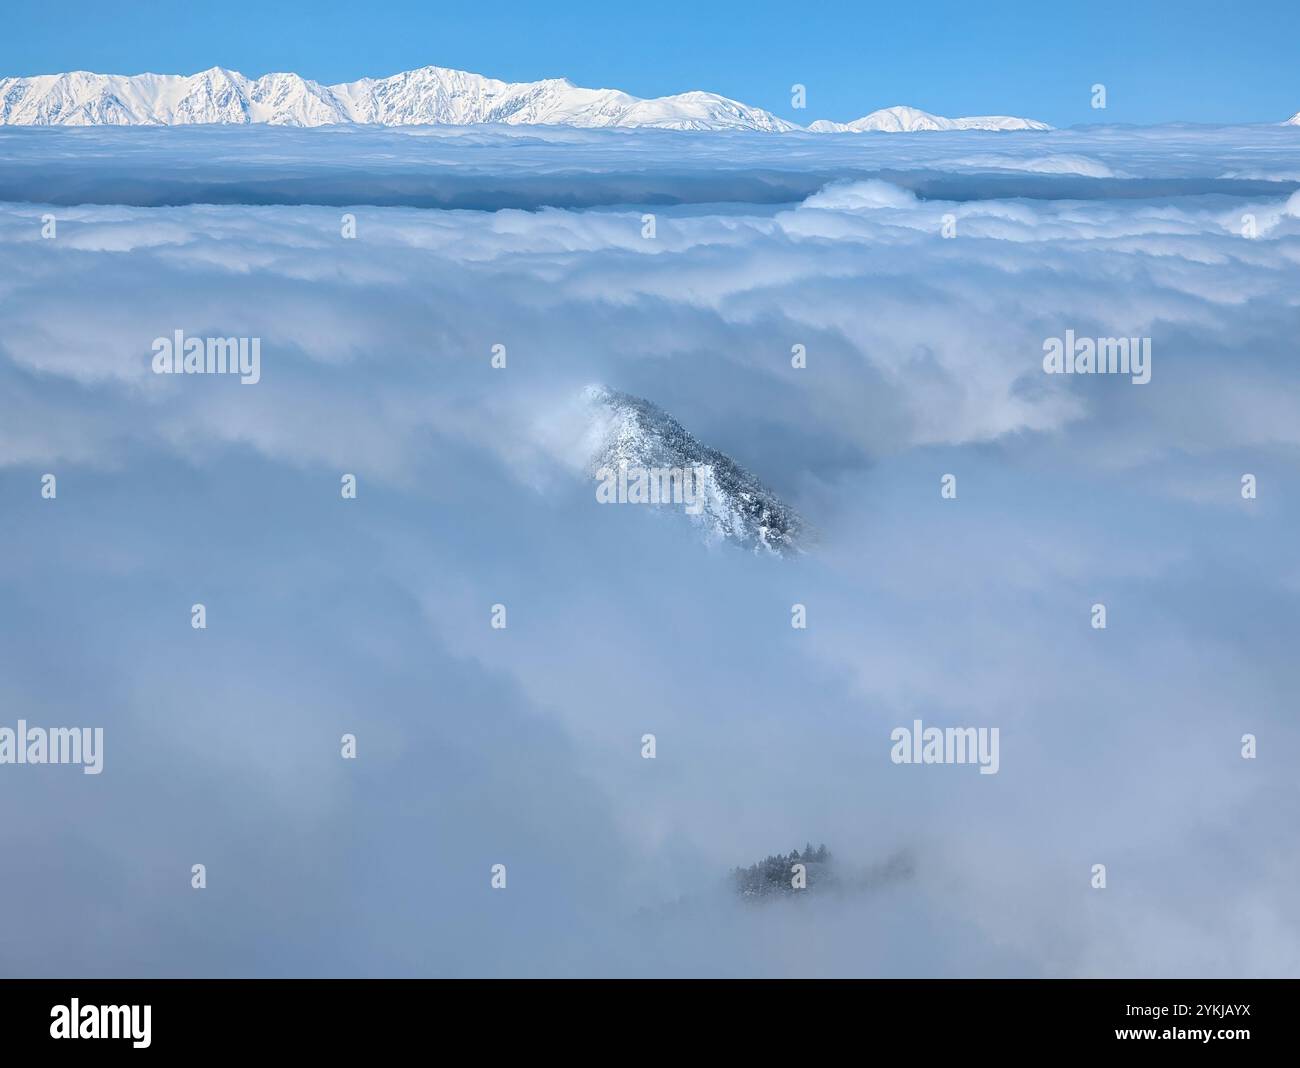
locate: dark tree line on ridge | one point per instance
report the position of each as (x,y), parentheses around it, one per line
(775,874)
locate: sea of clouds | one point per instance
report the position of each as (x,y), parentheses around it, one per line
(523,746)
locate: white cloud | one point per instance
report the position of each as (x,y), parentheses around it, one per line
(924,357)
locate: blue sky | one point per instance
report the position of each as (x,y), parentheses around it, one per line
(1159,62)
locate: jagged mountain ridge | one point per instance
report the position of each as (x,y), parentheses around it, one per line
(736,506)
(430,95)
(427,96)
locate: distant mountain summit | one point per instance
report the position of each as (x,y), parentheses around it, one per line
(913,120)
(428,96)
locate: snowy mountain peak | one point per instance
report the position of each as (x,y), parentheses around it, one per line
(912,120)
(629,434)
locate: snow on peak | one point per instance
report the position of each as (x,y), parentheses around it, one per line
(912,120)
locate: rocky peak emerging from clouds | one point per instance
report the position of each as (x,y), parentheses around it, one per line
(736,506)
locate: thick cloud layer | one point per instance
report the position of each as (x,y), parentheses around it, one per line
(494,167)
(522,746)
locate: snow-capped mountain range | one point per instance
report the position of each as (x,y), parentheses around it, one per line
(627,433)
(430,95)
